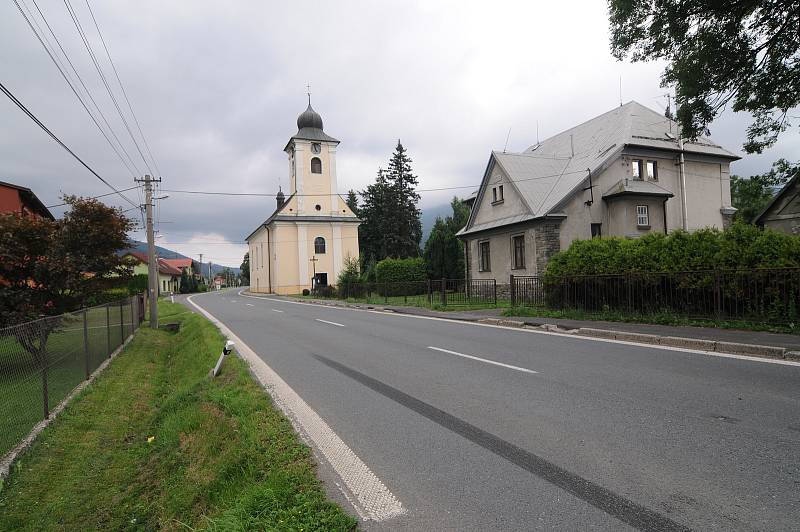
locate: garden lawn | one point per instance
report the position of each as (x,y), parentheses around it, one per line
(152,443)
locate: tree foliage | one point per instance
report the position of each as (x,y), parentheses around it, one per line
(50,267)
(751,195)
(746,53)
(391,225)
(444,253)
(244,269)
(352,201)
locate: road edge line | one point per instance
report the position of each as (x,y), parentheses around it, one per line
(367,493)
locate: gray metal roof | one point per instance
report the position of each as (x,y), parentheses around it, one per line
(548,173)
(510,220)
(636,187)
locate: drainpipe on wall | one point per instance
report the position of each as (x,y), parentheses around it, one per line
(682,170)
(664,209)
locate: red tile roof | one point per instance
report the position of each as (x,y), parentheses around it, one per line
(163,266)
(179,263)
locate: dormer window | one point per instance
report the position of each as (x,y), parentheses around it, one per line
(316,165)
(652,170)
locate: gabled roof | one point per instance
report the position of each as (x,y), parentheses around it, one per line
(548,173)
(179,263)
(163,265)
(34,203)
(784,190)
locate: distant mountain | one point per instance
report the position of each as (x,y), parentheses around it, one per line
(165,253)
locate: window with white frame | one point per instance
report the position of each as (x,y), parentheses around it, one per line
(636,168)
(484,257)
(642,216)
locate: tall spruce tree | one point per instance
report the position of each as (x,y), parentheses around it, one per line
(405,226)
(352,201)
(444,253)
(373,228)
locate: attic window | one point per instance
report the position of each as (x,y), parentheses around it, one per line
(497,194)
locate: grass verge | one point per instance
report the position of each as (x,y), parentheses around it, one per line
(152,443)
(656,319)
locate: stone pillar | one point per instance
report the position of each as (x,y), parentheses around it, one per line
(727,216)
(547,240)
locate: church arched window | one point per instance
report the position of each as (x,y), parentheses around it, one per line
(319,245)
(316,165)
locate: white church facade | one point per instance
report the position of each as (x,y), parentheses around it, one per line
(305,241)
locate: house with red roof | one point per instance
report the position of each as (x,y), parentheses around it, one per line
(169,275)
(22,201)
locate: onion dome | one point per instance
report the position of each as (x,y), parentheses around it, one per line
(309,118)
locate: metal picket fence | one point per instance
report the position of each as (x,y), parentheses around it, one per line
(762,295)
(42,361)
(438,292)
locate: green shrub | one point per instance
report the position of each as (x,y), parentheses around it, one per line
(137,284)
(398,277)
(741,246)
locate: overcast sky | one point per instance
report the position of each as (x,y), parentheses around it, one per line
(217,87)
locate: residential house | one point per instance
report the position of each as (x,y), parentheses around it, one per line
(783,212)
(305,241)
(624,173)
(169,277)
(22,201)
(182,265)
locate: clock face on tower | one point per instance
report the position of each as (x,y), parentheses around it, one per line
(316,148)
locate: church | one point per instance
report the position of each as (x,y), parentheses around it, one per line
(305,241)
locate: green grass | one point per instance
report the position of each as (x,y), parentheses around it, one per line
(657,319)
(420,300)
(21,395)
(220,455)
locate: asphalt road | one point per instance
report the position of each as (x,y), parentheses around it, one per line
(537,431)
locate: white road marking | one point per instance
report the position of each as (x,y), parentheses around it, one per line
(330,322)
(550,333)
(370,497)
(509,366)
(276,310)
(249,304)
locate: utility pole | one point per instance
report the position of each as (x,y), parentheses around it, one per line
(152,267)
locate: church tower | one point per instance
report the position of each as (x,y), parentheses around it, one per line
(305,241)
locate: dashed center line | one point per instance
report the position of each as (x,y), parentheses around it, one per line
(275,310)
(249,304)
(330,322)
(479,359)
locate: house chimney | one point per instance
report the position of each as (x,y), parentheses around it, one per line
(280,198)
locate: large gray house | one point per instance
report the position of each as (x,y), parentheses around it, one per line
(624,173)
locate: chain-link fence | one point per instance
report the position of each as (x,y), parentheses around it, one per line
(42,361)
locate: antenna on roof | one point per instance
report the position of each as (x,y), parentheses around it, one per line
(620,91)
(571,146)
(537,133)
(507,137)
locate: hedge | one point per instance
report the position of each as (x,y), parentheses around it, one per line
(740,247)
(398,271)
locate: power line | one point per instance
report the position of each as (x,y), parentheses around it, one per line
(358,193)
(73,14)
(124,92)
(61,69)
(58,140)
(96,197)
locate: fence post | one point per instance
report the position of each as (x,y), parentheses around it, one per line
(444,292)
(86,342)
(121,325)
(133,316)
(513,291)
(494,289)
(43,357)
(108,327)
(717,296)
(430,293)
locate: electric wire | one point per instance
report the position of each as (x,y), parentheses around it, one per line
(73,14)
(95,197)
(52,135)
(124,92)
(61,70)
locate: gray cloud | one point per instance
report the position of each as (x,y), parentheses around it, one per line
(217,88)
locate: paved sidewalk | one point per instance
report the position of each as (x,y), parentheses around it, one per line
(789,341)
